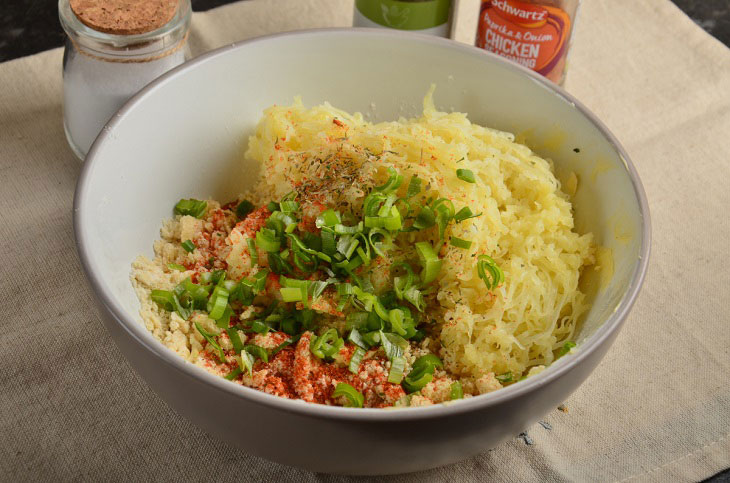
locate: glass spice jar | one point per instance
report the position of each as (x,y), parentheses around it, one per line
(532,33)
(432,17)
(113,49)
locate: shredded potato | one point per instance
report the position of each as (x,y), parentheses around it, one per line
(526,223)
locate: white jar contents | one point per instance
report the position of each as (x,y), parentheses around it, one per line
(93,90)
(112,53)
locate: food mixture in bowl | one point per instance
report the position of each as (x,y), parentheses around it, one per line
(396,264)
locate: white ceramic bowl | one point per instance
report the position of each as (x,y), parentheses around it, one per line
(185,134)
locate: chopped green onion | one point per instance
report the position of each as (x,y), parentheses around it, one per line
(279,221)
(225,320)
(394,181)
(341,229)
(466,175)
(353,397)
(218,302)
(272,206)
(219,276)
(164,298)
(364,249)
(387,205)
(188,246)
(317,287)
(429,261)
(391,222)
(326,345)
(344,289)
(394,221)
(288,206)
(464,214)
(393,344)
(169,301)
(290,285)
(425,218)
(566,348)
(259,280)
(267,241)
(252,252)
(306,317)
(342,302)
(371,205)
(328,218)
(356,359)
(235,339)
(414,187)
(176,266)
(397,366)
(404,207)
(349,266)
(396,318)
(415,297)
(312,241)
(356,338)
(385,242)
(243,209)
(495,276)
(259,327)
(189,292)
(289,326)
(456,391)
(245,362)
(417,380)
(421,373)
(278,264)
(460,243)
(346,245)
(372,338)
(328,242)
(298,245)
(257,351)
(429,361)
(303,261)
(505,378)
(380,309)
(444,209)
(191,207)
(211,340)
(356,320)
(401,284)
(291,294)
(234,374)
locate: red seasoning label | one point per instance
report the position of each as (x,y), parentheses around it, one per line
(535,36)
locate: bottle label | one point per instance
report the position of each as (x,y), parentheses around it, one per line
(535,36)
(405,14)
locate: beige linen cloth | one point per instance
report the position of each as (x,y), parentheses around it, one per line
(657,408)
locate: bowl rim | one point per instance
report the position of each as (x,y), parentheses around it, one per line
(138,332)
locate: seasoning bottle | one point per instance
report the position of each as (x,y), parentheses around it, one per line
(113,49)
(533,33)
(422,16)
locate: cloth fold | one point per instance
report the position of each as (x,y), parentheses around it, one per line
(657,408)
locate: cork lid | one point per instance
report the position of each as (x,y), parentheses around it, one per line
(124,17)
